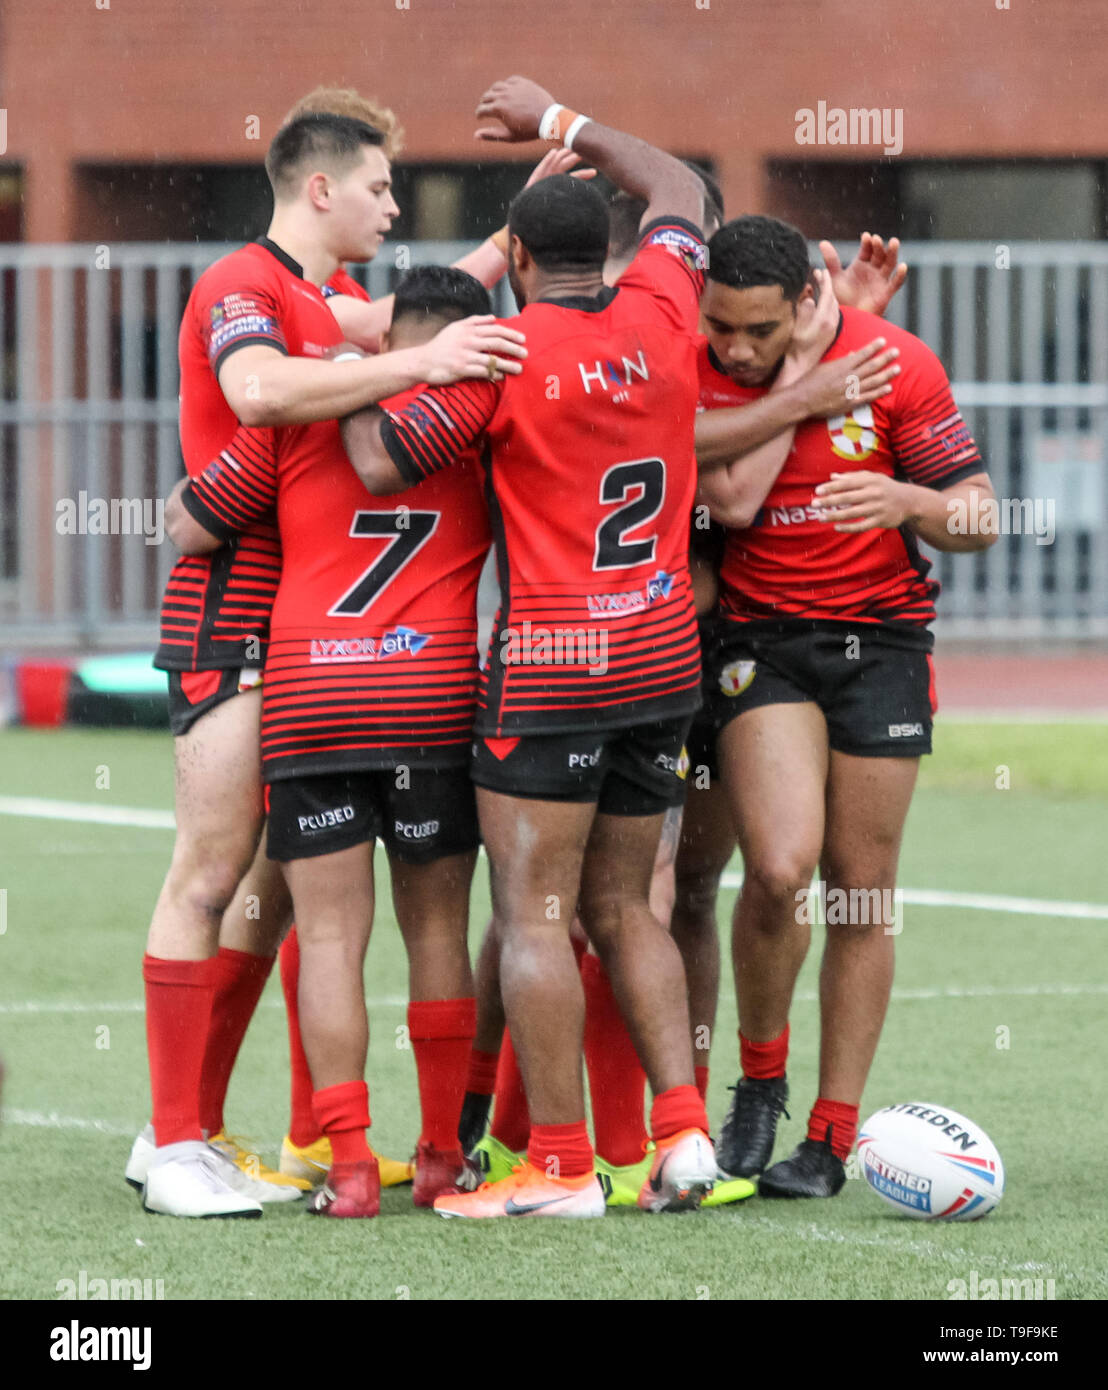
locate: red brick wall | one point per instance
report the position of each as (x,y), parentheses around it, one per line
(177,79)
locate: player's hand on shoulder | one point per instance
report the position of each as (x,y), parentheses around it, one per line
(475,347)
(513,108)
(872,278)
(839,386)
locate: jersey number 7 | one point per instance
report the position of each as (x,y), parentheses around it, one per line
(406,532)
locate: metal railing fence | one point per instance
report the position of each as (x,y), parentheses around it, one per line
(88,428)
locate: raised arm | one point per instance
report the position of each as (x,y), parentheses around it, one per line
(518,109)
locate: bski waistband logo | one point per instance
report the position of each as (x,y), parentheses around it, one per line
(400,641)
(608,605)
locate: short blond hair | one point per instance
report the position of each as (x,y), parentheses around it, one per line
(345,101)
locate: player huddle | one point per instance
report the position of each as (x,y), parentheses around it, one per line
(349,465)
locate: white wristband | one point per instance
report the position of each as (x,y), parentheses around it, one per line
(348,357)
(548,124)
(574,130)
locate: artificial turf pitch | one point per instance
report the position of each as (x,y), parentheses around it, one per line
(997,1014)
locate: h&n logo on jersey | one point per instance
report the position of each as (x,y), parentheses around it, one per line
(604,372)
(853,436)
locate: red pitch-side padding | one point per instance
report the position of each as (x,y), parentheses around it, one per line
(42,692)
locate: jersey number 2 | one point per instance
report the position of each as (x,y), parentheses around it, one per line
(406,532)
(648,477)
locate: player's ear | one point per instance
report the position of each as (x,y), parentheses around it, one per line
(319,192)
(386,340)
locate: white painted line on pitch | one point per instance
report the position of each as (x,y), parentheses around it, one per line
(916,897)
(37,1120)
(928,1249)
(983,902)
(40,809)
(398,1001)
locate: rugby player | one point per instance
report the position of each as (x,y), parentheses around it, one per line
(687,900)
(387,733)
(592,474)
(305,1150)
(243,325)
(820,681)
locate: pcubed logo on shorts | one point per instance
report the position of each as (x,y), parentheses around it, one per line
(415,830)
(905,730)
(586,759)
(679,765)
(325,820)
(736,677)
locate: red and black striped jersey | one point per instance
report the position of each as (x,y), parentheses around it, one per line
(591,467)
(373,648)
(790,563)
(215,612)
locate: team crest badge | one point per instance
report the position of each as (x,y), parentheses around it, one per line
(853,436)
(736,678)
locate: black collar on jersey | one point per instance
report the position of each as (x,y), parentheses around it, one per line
(590,303)
(718,365)
(283,256)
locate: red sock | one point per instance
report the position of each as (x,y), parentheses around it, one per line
(343,1112)
(239,980)
(481,1076)
(762,1060)
(617,1082)
(511,1122)
(179,997)
(304,1128)
(561,1151)
(842,1120)
(702,1081)
(676,1109)
(441,1032)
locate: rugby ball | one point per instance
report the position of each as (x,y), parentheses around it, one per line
(929,1162)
